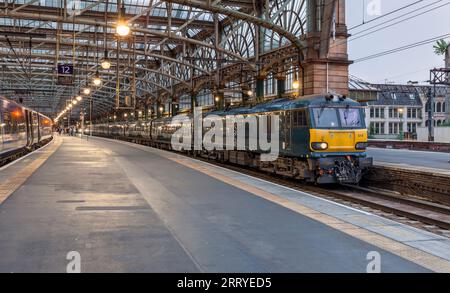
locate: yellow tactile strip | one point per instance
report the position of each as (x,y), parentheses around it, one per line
(414,255)
(14,182)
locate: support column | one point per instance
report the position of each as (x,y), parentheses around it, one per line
(281,85)
(326,60)
(193,101)
(219,100)
(175,108)
(260,88)
(145,112)
(158,112)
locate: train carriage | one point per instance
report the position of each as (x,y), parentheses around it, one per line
(21,128)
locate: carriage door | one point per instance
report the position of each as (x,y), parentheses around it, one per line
(285,130)
(28,128)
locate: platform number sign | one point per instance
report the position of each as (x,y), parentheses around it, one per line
(65,74)
(66,69)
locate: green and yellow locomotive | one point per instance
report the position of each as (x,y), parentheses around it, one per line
(322,138)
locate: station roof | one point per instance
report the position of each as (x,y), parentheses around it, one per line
(172,46)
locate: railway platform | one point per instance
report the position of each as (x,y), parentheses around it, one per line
(129,208)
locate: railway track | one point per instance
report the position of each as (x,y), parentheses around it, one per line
(426,215)
(417,211)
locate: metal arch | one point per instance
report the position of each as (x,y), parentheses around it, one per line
(243,16)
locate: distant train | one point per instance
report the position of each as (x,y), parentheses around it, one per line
(323,138)
(21,129)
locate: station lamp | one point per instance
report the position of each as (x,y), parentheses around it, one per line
(296,82)
(86,91)
(97,80)
(122,28)
(217,98)
(79,98)
(74,102)
(70,106)
(249,93)
(106,64)
(161,109)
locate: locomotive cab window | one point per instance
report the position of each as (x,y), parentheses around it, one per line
(325,117)
(299,118)
(350,117)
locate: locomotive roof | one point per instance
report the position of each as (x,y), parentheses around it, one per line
(288,104)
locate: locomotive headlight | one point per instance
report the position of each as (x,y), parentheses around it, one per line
(319,146)
(361,145)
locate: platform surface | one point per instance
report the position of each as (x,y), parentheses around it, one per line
(424,160)
(130,208)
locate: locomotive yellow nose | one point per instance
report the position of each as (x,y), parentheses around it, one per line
(337,140)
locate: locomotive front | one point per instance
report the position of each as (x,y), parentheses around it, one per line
(338,141)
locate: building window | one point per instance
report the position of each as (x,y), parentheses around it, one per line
(376,112)
(438,107)
(414,113)
(395,128)
(393,113)
(443,107)
(394,96)
(412,128)
(377,128)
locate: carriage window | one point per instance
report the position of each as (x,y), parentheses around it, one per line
(350,117)
(325,117)
(299,118)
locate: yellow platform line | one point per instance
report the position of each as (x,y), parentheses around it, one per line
(424,259)
(14,182)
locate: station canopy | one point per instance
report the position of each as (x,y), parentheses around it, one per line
(51,50)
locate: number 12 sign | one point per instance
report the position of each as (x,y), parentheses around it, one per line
(65,69)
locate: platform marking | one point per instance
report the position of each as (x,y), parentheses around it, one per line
(12,184)
(414,255)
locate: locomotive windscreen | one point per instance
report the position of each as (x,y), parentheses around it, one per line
(325,117)
(337,117)
(350,117)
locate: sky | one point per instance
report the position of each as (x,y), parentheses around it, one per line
(410,65)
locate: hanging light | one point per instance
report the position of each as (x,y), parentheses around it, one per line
(249,93)
(86,91)
(122,28)
(106,64)
(79,98)
(74,102)
(97,80)
(70,106)
(161,109)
